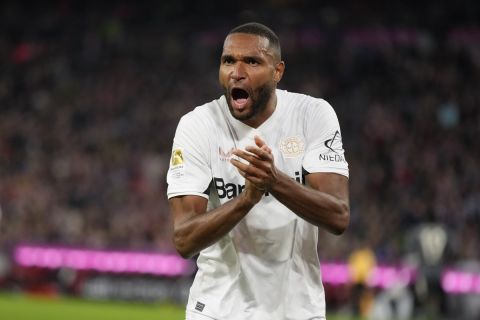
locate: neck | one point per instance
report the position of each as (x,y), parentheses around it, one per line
(257,120)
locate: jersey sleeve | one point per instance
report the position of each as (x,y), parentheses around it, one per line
(324,147)
(189,172)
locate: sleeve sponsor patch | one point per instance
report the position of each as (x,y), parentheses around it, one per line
(334,143)
(334,149)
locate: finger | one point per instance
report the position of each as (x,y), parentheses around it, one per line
(249,170)
(267,149)
(247,156)
(246,172)
(262,144)
(264,165)
(259,142)
(243,174)
(256,183)
(260,152)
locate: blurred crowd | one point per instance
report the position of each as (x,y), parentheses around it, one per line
(90,96)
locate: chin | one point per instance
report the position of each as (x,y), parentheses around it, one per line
(242,116)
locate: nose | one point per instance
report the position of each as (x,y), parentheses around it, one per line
(238,72)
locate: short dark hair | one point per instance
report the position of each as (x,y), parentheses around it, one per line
(260,30)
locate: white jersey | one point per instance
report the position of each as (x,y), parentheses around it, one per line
(267,267)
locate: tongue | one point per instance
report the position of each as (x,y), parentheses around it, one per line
(240,102)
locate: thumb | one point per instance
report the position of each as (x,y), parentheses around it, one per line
(261,144)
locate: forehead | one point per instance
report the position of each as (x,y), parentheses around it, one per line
(245,44)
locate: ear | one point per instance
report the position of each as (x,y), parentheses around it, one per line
(279,69)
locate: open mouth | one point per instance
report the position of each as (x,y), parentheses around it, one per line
(239,97)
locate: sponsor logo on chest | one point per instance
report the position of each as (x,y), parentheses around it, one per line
(229,190)
(225,155)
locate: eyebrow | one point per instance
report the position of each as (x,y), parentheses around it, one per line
(247,57)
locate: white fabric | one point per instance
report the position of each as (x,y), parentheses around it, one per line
(267,267)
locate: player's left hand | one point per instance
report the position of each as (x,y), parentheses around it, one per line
(260,168)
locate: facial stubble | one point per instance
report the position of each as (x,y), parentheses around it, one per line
(260,99)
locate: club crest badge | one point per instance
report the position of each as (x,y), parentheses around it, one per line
(292,147)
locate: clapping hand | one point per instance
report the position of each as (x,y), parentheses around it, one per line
(259,170)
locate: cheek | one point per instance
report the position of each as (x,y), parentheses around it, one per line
(264,77)
(223,77)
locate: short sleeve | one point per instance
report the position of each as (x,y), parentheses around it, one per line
(189,172)
(324,147)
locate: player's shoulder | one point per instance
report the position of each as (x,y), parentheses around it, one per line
(304,103)
(203,115)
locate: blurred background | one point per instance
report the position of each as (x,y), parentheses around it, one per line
(90,96)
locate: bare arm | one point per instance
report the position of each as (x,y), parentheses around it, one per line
(324,204)
(195,229)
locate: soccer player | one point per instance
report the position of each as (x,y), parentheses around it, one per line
(252,176)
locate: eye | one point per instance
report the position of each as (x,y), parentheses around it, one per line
(227,60)
(252,61)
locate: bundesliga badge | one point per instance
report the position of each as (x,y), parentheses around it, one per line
(176,163)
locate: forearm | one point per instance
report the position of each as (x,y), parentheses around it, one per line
(317,207)
(199,231)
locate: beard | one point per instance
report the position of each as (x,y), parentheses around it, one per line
(259,97)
